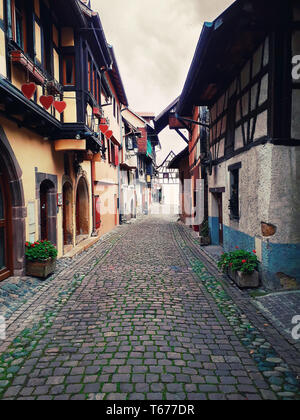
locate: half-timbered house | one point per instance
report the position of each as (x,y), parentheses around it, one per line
(166,183)
(245,70)
(61,96)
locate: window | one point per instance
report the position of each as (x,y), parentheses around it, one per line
(112,153)
(69,71)
(129,143)
(234,191)
(19,23)
(103,148)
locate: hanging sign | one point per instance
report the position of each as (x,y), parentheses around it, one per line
(28,90)
(47,101)
(60,106)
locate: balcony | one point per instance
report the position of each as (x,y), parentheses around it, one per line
(65,145)
(20,59)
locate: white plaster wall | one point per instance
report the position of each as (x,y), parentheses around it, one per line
(269,191)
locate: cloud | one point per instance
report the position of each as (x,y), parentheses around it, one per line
(154,42)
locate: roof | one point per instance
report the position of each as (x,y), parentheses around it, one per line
(171,156)
(116,79)
(162,120)
(223,49)
(174,164)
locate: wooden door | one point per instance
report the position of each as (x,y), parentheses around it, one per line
(5,231)
(220,211)
(44,211)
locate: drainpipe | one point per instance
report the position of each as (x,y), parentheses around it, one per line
(93,178)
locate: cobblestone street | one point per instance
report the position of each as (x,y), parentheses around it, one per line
(140,317)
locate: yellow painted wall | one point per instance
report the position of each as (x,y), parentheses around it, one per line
(55,35)
(106,172)
(18,76)
(32,151)
(70,114)
(67,37)
(2,9)
(2,54)
(56,65)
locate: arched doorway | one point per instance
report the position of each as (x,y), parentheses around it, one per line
(6,248)
(82,210)
(67,215)
(48,212)
(13,212)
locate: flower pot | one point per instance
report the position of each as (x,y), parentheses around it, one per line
(244,280)
(41,269)
(204,240)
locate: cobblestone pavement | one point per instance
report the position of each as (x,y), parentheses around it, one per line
(281,308)
(139,317)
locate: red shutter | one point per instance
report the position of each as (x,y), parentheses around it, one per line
(116,155)
(98,215)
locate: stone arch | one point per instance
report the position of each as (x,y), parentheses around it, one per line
(11,169)
(82,208)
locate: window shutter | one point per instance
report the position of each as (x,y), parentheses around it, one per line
(116,155)
(98,215)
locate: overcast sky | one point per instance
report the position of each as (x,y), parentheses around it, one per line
(154,42)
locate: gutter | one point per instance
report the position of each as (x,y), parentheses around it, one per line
(79,13)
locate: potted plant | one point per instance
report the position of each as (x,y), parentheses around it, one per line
(204,234)
(242,267)
(40,258)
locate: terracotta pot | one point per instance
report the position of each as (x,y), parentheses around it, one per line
(41,269)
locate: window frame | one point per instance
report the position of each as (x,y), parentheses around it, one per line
(234,202)
(65,58)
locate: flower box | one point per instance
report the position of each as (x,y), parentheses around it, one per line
(41,269)
(40,258)
(204,240)
(19,58)
(245,280)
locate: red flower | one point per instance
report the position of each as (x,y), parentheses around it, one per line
(27,244)
(254,251)
(32,246)
(230,264)
(236,247)
(244,261)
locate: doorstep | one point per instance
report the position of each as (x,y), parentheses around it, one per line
(81,247)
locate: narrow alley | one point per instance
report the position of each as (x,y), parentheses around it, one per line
(140,317)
